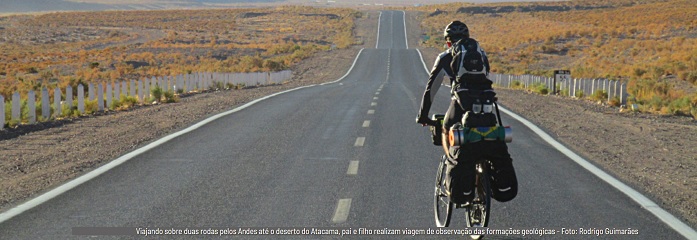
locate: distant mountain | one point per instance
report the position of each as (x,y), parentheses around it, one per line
(23,6)
(237,1)
(17,6)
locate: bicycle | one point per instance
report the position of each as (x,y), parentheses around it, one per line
(478,210)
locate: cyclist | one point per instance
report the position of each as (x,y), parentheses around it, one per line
(460,171)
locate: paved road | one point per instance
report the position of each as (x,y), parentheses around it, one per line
(336,156)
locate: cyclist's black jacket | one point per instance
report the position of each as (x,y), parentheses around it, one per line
(440,69)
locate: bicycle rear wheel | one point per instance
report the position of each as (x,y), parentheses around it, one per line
(478,211)
(442,207)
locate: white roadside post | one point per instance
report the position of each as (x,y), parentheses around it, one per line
(31,103)
(45,105)
(81,99)
(69,98)
(57,103)
(2,112)
(16,108)
(90,92)
(100,98)
(133,89)
(109,96)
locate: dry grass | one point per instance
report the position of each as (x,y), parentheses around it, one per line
(60,49)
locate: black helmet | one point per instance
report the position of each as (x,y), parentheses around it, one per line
(456,30)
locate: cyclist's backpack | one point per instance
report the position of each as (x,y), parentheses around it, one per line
(469,57)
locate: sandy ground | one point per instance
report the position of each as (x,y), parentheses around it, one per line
(656,155)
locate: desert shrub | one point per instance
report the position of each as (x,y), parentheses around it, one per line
(682,106)
(692,77)
(516,84)
(599,95)
(579,94)
(37,112)
(156,93)
(655,104)
(564,92)
(8,111)
(115,103)
(126,102)
(24,110)
(615,102)
(540,88)
(67,111)
(12,123)
(91,106)
(170,97)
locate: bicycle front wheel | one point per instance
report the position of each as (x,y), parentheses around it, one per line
(442,207)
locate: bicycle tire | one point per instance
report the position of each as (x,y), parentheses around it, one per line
(442,206)
(478,213)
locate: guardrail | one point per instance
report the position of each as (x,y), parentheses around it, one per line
(105,93)
(571,87)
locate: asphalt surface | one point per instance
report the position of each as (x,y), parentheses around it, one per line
(340,156)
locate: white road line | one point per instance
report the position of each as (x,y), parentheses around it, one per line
(389,56)
(422,60)
(373,104)
(377,93)
(378,40)
(360,141)
(347,73)
(353,168)
(375,98)
(19,209)
(342,210)
(637,197)
(404,18)
(366,123)
(371,111)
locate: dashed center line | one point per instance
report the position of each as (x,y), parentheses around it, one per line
(359,142)
(353,168)
(377,93)
(373,104)
(371,111)
(342,210)
(375,98)
(366,123)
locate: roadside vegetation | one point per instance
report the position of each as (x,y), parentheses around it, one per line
(61,49)
(71,48)
(649,44)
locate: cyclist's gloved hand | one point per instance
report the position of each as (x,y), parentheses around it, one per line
(422,120)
